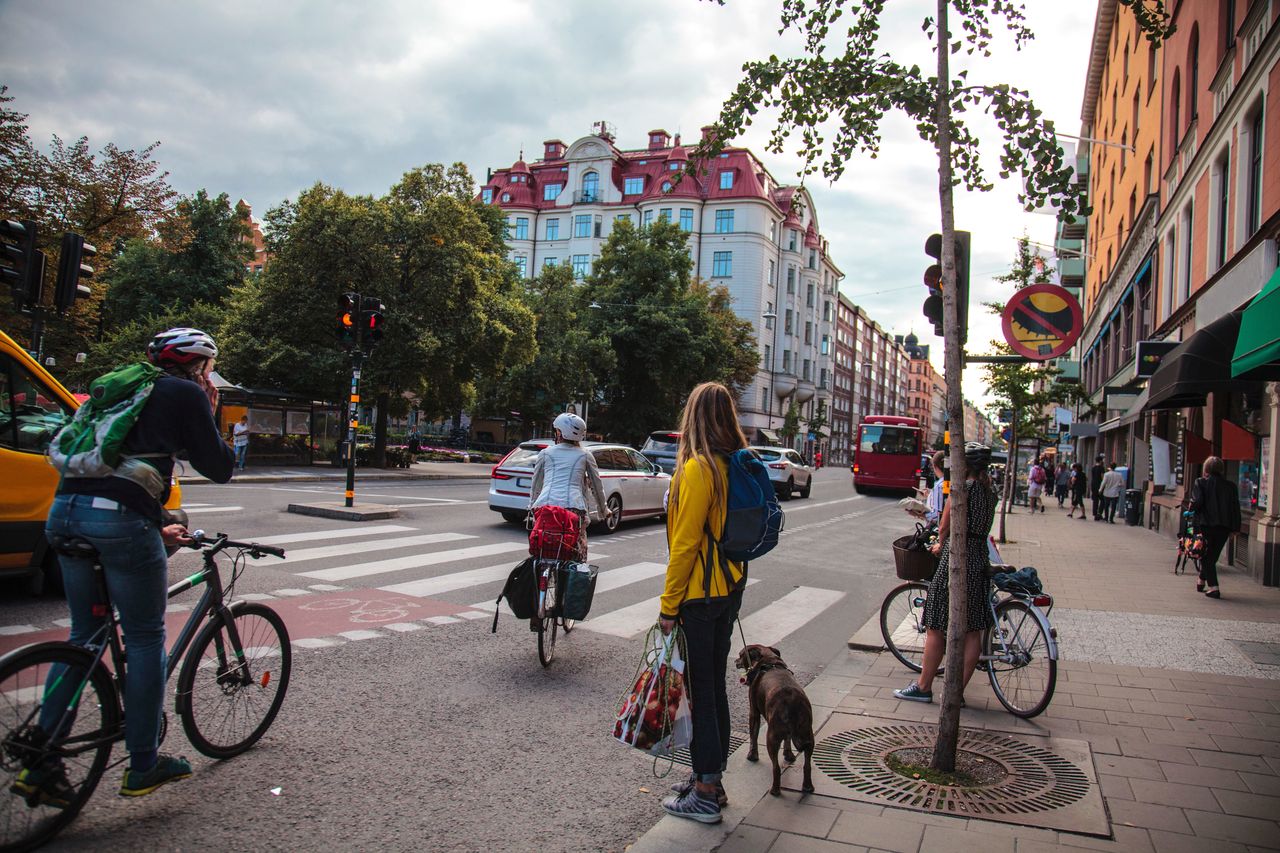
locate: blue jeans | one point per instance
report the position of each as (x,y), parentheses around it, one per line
(137,576)
(242,450)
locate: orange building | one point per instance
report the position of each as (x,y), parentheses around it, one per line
(261,257)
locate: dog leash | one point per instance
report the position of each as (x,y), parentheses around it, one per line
(740,632)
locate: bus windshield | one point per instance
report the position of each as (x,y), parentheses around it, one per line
(889,440)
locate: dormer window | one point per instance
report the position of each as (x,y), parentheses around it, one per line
(590,187)
(673,166)
(632,186)
(486,195)
(666,186)
(551,192)
(726,180)
(506,196)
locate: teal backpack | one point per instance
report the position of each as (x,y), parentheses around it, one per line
(91,444)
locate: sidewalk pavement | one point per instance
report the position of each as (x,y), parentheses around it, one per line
(329,473)
(1178,696)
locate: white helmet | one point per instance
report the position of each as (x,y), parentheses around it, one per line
(572,427)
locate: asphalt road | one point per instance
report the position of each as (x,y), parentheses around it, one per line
(408,725)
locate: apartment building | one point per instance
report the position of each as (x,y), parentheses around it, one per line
(872,368)
(747,232)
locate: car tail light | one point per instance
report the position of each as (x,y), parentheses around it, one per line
(1042,600)
(778,465)
(919,472)
(498,475)
(855,469)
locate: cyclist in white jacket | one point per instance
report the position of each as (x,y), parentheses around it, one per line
(563,472)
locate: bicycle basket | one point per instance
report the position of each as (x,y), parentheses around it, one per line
(577,589)
(911,563)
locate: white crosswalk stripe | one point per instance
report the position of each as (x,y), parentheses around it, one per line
(380,545)
(335,533)
(613,578)
(359,570)
(768,625)
(205,510)
(631,620)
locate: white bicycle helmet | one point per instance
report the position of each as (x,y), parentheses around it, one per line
(572,427)
(180,346)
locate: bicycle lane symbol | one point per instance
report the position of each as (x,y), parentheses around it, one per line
(329,613)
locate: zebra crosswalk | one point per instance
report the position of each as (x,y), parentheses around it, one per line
(456,569)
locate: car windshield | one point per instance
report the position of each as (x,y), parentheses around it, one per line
(767,455)
(888,440)
(523,457)
(664,442)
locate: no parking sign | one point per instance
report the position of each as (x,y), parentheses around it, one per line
(1042,321)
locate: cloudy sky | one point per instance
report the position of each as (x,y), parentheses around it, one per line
(261,99)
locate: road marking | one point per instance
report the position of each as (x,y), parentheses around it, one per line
(412,498)
(361,635)
(631,620)
(447,583)
(404,627)
(789,508)
(440,620)
(290,591)
(770,624)
(313,643)
(613,578)
(381,545)
(335,533)
(473,614)
(209,509)
(416,561)
(324,587)
(256,596)
(9,630)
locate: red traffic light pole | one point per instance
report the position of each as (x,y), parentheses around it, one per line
(357,357)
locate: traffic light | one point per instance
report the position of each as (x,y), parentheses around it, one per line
(71,270)
(346,329)
(18,262)
(934,282)
(371,318)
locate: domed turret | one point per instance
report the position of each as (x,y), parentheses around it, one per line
(911,340)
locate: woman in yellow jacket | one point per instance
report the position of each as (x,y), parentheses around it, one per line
(703,593)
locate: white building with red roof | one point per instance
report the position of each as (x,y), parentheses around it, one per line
(747,233)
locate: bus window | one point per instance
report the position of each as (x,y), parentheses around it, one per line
(888,440)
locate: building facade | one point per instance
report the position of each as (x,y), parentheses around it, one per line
(926,391)
(747,232)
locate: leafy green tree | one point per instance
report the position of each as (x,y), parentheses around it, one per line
(569,357)
(128,341)
(818,421)
(790,425)
(835,98)
(669,332)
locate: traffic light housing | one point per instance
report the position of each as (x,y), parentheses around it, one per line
(72,271)
(19,267)
(346,328)
(934,281)
(371,319)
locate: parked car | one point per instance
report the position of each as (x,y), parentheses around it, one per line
(660,448)
(634,487)
(787,470)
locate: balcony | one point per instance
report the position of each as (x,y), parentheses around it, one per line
(586,197)
(1076,229)
(1071,271)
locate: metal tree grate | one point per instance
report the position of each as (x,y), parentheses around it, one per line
(681,755)
(1037,779)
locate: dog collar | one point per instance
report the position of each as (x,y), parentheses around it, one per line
(758,669)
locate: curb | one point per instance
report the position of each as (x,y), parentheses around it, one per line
(868,638)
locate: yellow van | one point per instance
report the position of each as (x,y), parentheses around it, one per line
(33,405)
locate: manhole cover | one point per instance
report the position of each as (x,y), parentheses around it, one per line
(1039,786)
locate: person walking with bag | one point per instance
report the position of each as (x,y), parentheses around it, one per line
(1112,487)
(1215,500)
(703,592)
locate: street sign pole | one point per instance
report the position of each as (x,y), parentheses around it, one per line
(356,359)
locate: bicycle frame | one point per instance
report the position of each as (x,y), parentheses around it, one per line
(1051,642)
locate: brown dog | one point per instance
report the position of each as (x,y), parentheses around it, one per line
(775,694)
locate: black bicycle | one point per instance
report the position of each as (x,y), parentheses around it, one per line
(235,661)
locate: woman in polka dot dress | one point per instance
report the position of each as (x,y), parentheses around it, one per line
(982,513)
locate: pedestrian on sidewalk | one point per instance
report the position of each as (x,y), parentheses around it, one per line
(1112,488)
(1036,480)
(1215,500)
(982,513)
(1062,483)
(937,500)
(240,440)
(703,591)
(1079,484)
(1095,485)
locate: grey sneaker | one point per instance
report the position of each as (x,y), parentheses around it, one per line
(913,693)
(694,807)
(683,788)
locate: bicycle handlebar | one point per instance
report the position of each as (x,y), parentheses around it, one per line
(220,541)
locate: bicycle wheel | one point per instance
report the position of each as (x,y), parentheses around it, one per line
(228,696)
(547,630)
(1021,670)
(902,623)
(33,808)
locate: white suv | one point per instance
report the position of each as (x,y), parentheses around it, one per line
(634,487)
(787,471)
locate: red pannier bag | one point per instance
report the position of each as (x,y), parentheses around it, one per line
(555,533)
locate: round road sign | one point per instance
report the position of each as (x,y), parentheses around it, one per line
(1042,321)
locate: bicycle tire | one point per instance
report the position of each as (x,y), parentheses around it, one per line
(239,692)
(902,623)
(26,820)
(1024,685)
(547,629)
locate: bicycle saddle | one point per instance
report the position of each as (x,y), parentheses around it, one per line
(73,546)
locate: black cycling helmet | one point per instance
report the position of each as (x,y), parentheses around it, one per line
(977,455)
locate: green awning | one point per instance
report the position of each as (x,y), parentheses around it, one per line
(1257,350)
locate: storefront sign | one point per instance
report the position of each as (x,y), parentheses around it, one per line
(1150,354)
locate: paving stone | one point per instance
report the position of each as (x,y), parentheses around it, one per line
(1128,839)
(789,843)
(1173,794)
(1076,712)
(1145,721)
(1161,752)
(1230,760)
(1135,768)
(1247,746)
(789,816)
(940,839)
(1148,816)
(883,833)
(1243,830)
(1174,842)
(1259,783)
(1249,805)
(1115,787)
(1106,703)
(1208,777)
(748,839)
(1188,739)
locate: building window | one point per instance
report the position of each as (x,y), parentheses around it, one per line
(522,228)
(506,196)
(1188,220)
(647,218)
(808,332)
(553,229)
(591,187)
(721,264)
(582,225)
(791,239)
(599,225)
(768,320)
(826,311)
(551,192)
(724,221)
(633,186)
(1253,214)
(1175,114)
(767,360)
(1223,206)
(622,217)
(809,292)
(804,373)
(726,180)
(674,167)
(1193,76)
(581,264)
(813,259)
(522,265)
(666,186)
(549,262)
(764,398)
(664,214)
(826,344)
(686,219)
(787,325)
(786,360)
(791,279)
(486,195)
(772,272)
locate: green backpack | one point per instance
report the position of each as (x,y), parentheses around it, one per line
(91,444)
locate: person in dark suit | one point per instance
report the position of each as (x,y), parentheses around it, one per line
(1095,486)
(1216,504)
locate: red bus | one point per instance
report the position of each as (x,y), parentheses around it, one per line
(887,454)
